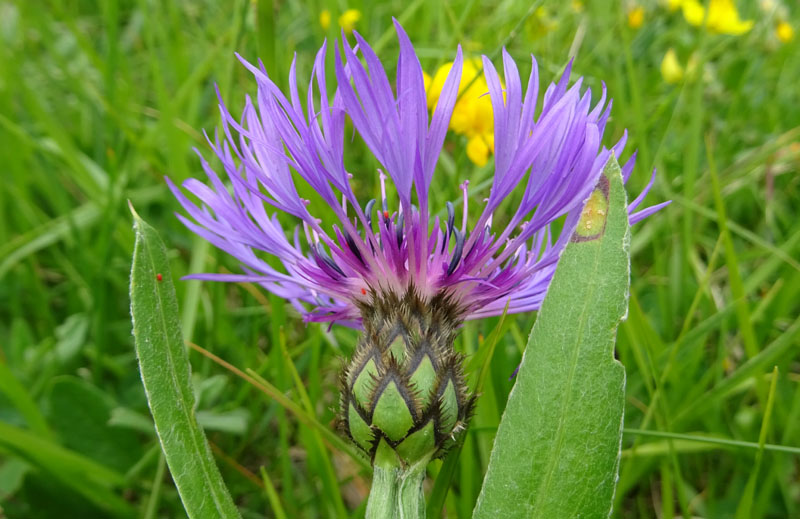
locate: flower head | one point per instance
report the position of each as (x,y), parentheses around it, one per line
(349,19)
(550,161)
(472,113)
(784,32)
(722,18)
(671,68)
(325,19)
(636,17)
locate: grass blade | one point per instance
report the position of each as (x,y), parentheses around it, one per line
(95,482)
(19,397)
(697,439)
(771,354)
(746,504)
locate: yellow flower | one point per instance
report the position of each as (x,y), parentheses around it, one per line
(674,5)
(325,19)
(349,19)
(636,17)
(784,32)
(433,87)
(472,113)
(693,11)
(671,69)
(723,18)
(479,148)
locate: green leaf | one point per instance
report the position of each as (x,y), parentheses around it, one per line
(745,508)
(557,448)
(165,370)
(12,475)
(21,399)
(234,421)
(95,482)
(71,337)
(79,414)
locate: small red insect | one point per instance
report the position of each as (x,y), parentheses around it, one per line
(363,291)
(158,277)
(386,214)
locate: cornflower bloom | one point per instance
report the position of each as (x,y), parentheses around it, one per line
(374,248)
(409,275)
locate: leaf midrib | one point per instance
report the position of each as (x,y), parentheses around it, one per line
(545,484)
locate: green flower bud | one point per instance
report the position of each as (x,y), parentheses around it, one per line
(404,391)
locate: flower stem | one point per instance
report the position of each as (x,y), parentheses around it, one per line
(396,490)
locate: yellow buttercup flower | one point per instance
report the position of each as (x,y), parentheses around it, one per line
(671,69)
(349,19)
(723,18)
(636,17)
(433,87)
(472,114)
(784,32)
(693,11)
(325,19)
(479,148)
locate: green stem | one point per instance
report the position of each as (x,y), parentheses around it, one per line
(396,490)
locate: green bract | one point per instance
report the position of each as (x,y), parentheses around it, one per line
(404,390)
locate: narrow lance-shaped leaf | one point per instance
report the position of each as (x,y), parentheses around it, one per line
(165,371)
(557,449)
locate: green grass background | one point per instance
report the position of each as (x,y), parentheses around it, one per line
(100,100)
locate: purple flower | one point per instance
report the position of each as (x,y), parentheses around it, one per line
(552,160)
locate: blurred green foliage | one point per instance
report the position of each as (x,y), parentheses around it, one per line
(100,100)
